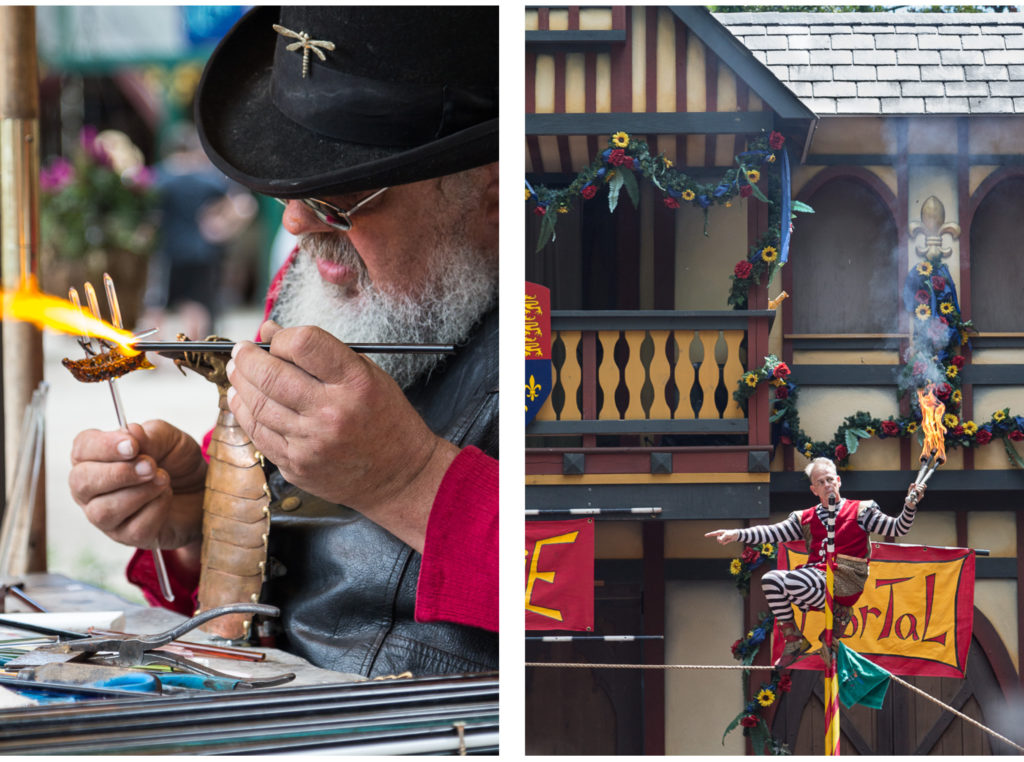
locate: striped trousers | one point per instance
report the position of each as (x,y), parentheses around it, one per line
(805,587)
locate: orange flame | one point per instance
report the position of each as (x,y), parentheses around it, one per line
(931,424)
(45,311)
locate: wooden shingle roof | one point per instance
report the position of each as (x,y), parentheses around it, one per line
(891,63)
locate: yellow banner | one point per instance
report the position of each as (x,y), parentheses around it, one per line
(915,615)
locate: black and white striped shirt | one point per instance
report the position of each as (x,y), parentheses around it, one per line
(870,519)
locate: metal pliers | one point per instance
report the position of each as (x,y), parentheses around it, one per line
(139,650)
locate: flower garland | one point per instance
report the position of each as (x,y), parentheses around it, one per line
(938,335)
(756,174)
(743,567)
(754,726)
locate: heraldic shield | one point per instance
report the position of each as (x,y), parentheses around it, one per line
(538,348)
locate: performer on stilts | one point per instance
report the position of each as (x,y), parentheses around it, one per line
(804,586)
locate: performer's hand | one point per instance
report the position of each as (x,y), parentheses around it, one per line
(915,493)
(141,486)
(725,536)
(339,427)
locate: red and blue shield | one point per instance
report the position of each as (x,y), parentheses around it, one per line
(538,348)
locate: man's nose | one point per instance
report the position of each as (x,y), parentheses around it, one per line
(298,219)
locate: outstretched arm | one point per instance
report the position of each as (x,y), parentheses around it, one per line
(783,531)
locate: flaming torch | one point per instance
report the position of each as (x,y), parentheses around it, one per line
(933,451)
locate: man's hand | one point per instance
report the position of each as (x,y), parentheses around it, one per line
(725,536)
(141,486)
(338,427)
(915,493)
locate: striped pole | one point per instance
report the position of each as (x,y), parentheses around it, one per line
(831,681)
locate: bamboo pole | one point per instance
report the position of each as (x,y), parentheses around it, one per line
(19,234)
(832,746)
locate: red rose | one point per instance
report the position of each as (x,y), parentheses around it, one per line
(785,684)
(890,428)
(922,296)
(670,202)
(984,436)
(958,431)
(589,191)
(742,269)
(781,370)
(736,646)
(750,721)
(745,191)
(617,157)
(841,452)
(1016,435)
(958,360)
(782,393)
(938,283)
(776,140)
(540,209)
(749,555)
(943,390)
(628,162)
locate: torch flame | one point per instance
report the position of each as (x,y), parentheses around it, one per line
(931,424)
(45,311)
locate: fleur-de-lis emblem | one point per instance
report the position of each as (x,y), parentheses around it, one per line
(306,45)
(532,389)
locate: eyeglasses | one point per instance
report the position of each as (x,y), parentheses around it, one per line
(329,214)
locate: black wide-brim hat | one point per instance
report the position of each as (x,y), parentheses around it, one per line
(387,95)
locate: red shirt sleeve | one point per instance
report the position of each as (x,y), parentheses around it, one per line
(458,579)
(184,584)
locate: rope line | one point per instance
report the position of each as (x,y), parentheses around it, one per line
(914,688)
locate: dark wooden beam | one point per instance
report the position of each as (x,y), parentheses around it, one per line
(727,123)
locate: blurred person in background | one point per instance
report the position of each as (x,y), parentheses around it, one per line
(200,212)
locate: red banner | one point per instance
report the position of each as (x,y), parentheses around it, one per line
(560,575)
(915,616)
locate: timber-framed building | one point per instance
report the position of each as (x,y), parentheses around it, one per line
(881,112)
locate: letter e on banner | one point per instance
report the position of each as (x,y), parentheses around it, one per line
(560,575)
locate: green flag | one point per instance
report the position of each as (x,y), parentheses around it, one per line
(860,681)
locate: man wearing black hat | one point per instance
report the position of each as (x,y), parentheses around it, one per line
(377,127)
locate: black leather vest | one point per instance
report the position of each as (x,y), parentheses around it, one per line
(347,588)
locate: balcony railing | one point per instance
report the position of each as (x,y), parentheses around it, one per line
(651,372)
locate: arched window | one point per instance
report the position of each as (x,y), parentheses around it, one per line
(844,263)
(996,279)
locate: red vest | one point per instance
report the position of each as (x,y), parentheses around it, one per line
(851,540)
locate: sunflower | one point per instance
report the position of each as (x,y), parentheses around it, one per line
(735,567)
(750,379)
(947,308)
(688,195)
(769,254)
(999,415)
(911,427)
(951,371)
(957,396)
(771,159)
(923,311)
(528,194)
(668,161)
(950,421)
(753,175)
(765,697)
(620,139)
(870,430)
(767,549)
(924,268)
(970,428)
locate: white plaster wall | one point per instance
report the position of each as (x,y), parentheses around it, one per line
(702,621)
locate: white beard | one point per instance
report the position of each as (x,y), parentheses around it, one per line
(461,288)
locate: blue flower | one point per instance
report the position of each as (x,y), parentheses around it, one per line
(703,201)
